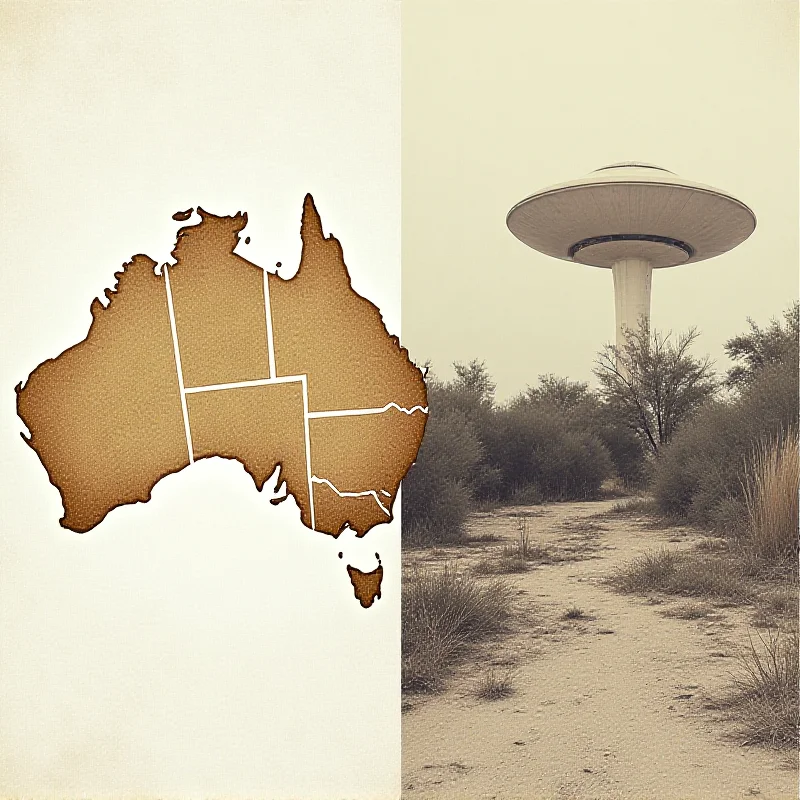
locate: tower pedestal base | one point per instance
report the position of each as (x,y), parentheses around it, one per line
(632,284)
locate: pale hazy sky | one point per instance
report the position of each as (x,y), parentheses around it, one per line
(503,97)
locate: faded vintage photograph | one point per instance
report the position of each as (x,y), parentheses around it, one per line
(600,274)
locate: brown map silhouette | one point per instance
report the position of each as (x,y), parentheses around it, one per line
(366,585)
(213,356)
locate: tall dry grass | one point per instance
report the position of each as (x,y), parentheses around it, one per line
(771,488)
(523,549)
(515,556)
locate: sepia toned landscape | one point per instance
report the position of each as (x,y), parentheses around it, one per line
(600,596)
(600,532)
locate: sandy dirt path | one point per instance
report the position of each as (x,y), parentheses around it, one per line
(614,706)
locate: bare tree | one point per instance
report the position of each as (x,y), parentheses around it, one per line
(653,383)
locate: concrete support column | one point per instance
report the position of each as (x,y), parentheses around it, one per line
(632,283)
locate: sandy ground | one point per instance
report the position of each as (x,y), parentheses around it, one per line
(614,706)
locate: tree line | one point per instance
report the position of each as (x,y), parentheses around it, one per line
(661,418)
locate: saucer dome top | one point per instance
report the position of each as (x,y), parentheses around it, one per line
(631,210)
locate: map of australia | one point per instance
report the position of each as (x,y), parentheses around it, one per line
(214,356)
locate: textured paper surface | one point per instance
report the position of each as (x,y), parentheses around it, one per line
(156,655)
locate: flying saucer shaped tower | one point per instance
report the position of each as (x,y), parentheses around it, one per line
(631,218)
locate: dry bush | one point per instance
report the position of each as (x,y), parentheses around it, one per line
(514,556)
(763,696)
(495,685)
(714,544)
(443,611)
(771,497)
(504,565)
(527,495)
(538,453)
(481,538)
(781,601)
(778,606)
(437,492)
(644,510)
(500,565)
(633,506)
(689,611)
(522,549)
(685,573)
(698,477)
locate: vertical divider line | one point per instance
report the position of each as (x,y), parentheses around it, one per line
(270,339)
(304,381)
(176,350)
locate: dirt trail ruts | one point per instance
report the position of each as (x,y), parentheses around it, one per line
(614,706)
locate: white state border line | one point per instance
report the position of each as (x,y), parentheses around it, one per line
(270,338)
(303,379)
(216,387)
(308,452)
(372,493)
(177,353)
(348,412)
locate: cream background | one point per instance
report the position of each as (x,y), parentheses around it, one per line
(204,644)
(503,98)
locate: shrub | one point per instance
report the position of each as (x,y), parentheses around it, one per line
(592,416)
(638,506)
(689,611)
(583,411)
(684,573)
(437,491)
(514,556)
(524,495)
(763,694)
(442,612)
(531,446)
(495,685)
(700,473)
(761,347)
(627,453)
(556,442)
